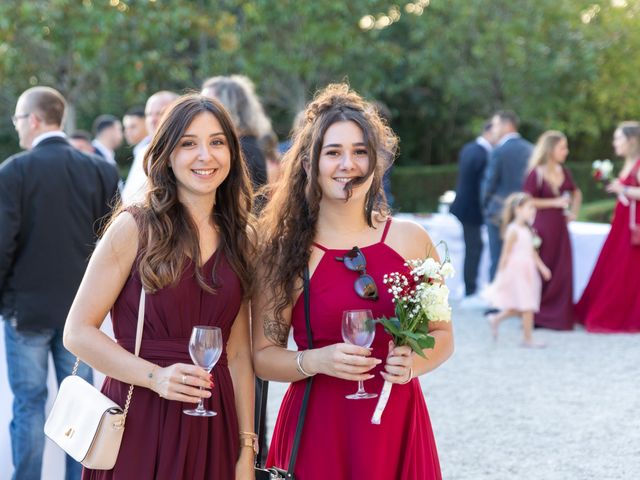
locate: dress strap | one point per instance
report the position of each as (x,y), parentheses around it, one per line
(321,247)
(633,174)
(386,230)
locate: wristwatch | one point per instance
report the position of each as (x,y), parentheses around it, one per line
(251,442)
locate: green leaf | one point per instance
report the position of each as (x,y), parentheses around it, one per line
(427,341)
(415,347)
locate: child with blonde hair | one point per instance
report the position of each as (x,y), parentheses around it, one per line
(517,287)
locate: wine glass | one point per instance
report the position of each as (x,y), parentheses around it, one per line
(358,329)
(205,348)
(568,197)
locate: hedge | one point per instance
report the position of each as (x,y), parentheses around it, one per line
(417,189)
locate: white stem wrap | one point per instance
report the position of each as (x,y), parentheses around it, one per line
(382,403)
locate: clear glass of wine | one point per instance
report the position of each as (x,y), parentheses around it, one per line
(205,348)
(358,328)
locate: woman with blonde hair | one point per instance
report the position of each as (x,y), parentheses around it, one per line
(187,246)
(237,94)
(327,214)
(557,201)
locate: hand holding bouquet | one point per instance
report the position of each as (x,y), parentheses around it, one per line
(602,170)
(419,297)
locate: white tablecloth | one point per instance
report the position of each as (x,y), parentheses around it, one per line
(586,239)
(586,242)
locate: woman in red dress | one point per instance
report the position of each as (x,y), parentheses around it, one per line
(610,303)
(557,201)
(187,245)
(329,199)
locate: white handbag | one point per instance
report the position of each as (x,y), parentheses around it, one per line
(85,423)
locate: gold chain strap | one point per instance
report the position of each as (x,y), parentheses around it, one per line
(75,367)
(126,404)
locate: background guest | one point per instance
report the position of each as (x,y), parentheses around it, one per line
(237,94)
(135,186)
(107,131)
(503,176)
(557,201)
(611,303)
(135,129)
(516,288)
(81,140)
(51,199)
(472,161)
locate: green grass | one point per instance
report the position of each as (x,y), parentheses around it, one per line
(598,211)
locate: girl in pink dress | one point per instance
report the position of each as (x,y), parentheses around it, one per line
(517,287)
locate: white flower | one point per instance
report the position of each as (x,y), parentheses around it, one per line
(435,303)
(429,268)
(447,270)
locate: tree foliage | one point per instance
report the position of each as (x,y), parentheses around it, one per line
(441,65)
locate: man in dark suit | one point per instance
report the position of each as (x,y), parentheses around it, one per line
(504,175)
(472,161)
(51,200)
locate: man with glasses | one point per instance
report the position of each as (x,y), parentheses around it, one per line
(51,200)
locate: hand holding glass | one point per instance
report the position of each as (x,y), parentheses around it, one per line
(205,348)
(358,328)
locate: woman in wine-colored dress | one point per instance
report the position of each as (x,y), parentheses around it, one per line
(611,303)
(187,245)
(329,200)
(557,201)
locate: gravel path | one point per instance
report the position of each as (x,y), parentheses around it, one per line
(570,411)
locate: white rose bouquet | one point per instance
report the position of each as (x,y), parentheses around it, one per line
(419,297)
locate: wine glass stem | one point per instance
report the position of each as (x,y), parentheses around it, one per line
(200,407)
(361,387)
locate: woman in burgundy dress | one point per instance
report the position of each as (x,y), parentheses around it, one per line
(557,200)
(329,199)
(610,303)
(187,245)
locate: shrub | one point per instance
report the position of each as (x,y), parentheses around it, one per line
(417,188)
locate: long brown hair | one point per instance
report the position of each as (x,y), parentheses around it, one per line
(287,225)
(168,234)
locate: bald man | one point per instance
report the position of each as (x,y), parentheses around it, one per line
(52,198)
(136,184)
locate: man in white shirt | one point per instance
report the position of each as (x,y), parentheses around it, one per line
(136,184)
(135,129)
(107,131)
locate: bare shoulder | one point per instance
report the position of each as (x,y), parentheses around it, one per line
(409,239)
(122,237)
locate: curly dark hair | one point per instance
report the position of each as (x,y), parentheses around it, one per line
(287,225)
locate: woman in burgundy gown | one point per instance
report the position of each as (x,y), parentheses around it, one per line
(329,199)
(187,245)
(610,303)
(557,200)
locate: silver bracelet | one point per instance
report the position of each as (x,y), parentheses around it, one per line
(299,364)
